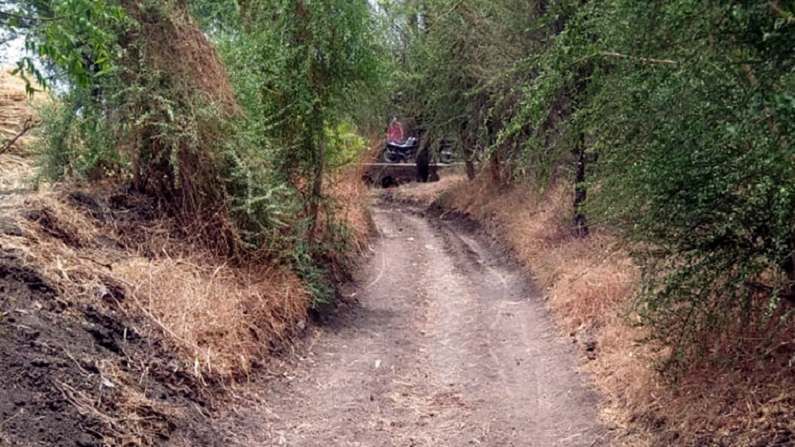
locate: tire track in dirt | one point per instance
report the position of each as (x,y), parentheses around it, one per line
(448,345)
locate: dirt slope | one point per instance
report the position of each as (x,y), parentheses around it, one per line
(116,329)
(448,345)
(80,370)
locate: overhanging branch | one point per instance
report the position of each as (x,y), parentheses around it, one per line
(647,60)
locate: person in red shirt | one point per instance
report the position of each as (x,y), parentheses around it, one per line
(395,132)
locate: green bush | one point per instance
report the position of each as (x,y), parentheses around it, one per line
(76,143)
(345,144)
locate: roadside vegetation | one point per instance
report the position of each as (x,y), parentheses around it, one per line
(197,200)
(197,188)
(638,157)
(231,116)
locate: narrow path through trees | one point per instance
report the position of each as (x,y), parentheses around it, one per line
(448,345)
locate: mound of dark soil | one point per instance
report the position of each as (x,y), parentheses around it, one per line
(35,364)
(81,375)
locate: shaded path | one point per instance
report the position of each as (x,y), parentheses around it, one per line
(448,346)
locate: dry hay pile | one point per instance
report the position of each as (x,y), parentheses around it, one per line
(173,44)
(589,284)
(137,330)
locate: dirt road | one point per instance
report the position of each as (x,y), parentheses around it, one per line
(448,345)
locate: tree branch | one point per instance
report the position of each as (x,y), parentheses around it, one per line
(788,16)
(647,60)
(26,127)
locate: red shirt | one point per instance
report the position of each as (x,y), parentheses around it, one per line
(395,132)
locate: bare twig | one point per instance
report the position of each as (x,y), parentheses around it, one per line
(26,127)
(12,417)
(647,60)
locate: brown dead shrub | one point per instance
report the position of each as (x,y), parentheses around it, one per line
(351,199)
(226,319)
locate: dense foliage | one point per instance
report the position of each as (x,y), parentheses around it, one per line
(235,133)
(670,121)
(676,117)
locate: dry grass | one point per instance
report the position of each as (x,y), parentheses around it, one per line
(425,194)
(15,109)
(226,319)
(589,285)
(222,318)
(208,319)
(198,69)
(351,199)
(584,279)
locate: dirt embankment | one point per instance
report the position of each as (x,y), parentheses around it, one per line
(18,114)
(589,285)
(85,375)
(116,329)
(117,325)
(15,109)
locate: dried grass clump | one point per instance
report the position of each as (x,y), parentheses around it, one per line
(168,29)
(350,196)
(61,244)
(225,319)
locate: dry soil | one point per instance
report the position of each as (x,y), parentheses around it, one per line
(446,343)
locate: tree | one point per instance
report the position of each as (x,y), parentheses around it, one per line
(689,108)
(317,59)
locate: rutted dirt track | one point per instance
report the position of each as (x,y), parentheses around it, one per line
(447,345)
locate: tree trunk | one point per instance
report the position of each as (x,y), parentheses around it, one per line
(469,160)
(423,161)
(468,152)
(317,187)
(580,192)
(788,266)
(496,169)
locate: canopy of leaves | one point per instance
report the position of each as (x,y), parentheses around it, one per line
(76,38)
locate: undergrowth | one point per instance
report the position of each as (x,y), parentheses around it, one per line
(223,318)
